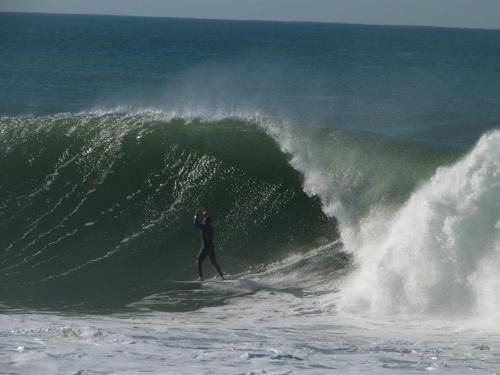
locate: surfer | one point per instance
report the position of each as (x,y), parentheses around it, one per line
(203,221)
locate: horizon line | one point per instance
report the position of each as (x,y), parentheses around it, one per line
(253,20)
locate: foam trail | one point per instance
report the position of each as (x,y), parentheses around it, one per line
(439,253)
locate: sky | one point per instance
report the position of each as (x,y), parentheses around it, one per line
(447,13)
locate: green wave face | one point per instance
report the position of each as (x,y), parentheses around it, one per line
(96,211)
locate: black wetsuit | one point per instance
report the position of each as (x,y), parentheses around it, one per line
(207,248)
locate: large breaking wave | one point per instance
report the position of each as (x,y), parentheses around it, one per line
(96,210)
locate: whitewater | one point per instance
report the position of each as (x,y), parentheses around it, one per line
(353,173)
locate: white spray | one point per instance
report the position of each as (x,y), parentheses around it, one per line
(438,253)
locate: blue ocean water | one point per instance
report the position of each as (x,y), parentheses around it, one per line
(353,173)
(389,79)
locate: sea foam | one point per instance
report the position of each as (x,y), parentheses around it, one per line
(439,252)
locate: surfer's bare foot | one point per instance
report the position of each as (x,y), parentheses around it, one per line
(199,279)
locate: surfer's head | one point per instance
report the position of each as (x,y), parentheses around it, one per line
(203,215)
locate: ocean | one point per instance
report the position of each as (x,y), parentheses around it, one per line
(352,173)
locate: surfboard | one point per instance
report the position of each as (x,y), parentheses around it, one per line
(195,281)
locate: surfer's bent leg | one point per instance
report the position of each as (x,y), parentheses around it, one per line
(201,255)
(211,254)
